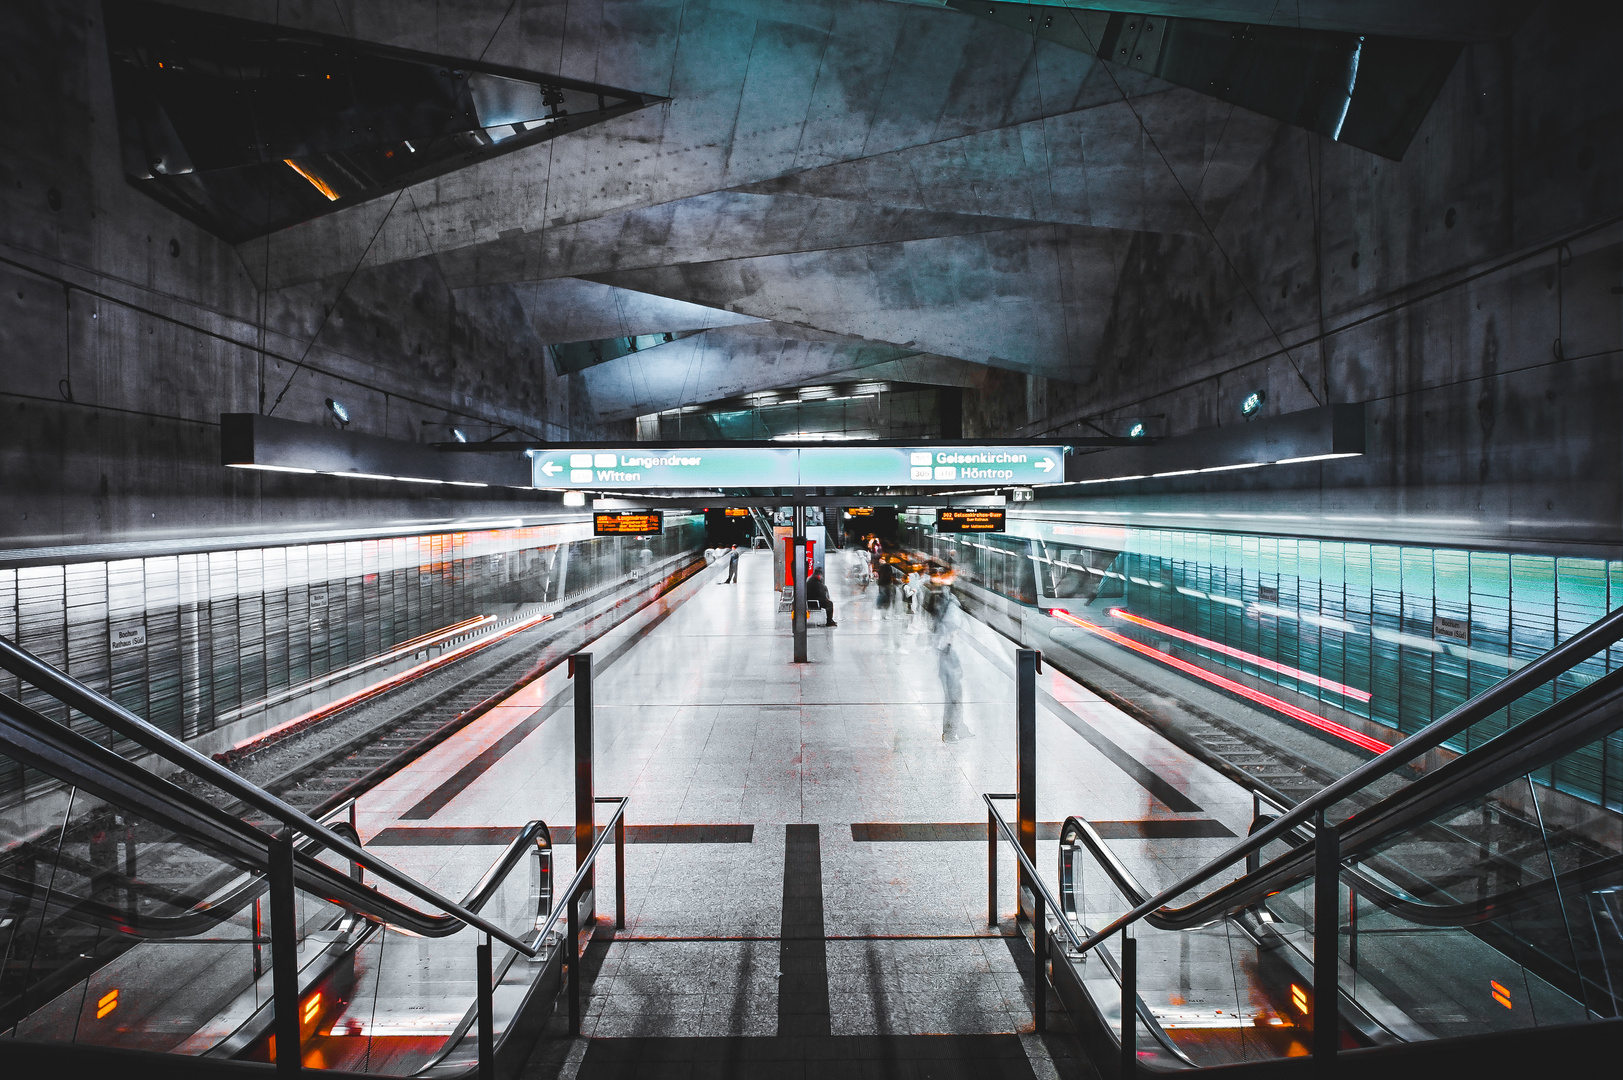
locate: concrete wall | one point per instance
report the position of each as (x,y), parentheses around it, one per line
(1472,294)
(125,331)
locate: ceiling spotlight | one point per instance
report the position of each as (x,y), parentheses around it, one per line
(1253,402)
(574,498)
(459,435)
(1137,431)
(338,410)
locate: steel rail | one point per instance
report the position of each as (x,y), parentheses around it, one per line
(582,872)
(75,694)
(1143,1011)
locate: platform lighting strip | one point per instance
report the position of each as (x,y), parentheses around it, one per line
(1340,731)
(1240,654)
(356,475)
(1217,468)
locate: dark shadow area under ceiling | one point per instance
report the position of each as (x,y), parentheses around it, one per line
(246,128)
(573,356)
(1366,90)
(834,413)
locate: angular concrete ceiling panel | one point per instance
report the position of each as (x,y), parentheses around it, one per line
(705,228)
(1009,299)
(724,363)
(569,309)
(748,81)
(1142,166)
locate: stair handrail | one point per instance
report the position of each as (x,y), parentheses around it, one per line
(71,692)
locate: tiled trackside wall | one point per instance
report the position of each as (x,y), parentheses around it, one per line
(1421,629)
(182,639)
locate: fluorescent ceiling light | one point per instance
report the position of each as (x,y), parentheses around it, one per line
(1179,472)
(363,475)
(418,480)
(574,498)
(467,483)
(1112,479)
(1315,457)
(270,468)
(815,436)
(1228,468)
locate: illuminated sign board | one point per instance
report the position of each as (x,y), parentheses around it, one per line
(959,519)
(807,466)
(736,511)
(859,511)
(628,523)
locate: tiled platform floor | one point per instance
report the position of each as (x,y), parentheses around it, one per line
(703,719)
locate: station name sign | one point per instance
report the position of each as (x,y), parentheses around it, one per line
(960,519)
(791,467)
(628,523)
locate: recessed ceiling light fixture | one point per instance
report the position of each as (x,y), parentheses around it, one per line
(338,410)
(1136,431)
(1253,402)
(459,435)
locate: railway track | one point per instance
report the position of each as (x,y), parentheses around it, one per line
(339,757)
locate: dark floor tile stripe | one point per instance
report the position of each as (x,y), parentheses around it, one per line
(457,835)
(803,1008)
(1147,778)
(435,800)
(949,831)
(838,1057)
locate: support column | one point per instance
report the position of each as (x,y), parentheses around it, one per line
(580,669)
(798,554)
(284,922)
(1025,758)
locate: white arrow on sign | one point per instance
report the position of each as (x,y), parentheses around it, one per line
(1045,464)
(550,468)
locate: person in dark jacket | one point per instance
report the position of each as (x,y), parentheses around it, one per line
(817,589)
(732,566)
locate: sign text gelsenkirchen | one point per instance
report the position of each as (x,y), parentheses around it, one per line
(808,466)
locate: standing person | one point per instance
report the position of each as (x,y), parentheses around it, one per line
(732,566)
(887,588)
(817,589)
(948,619)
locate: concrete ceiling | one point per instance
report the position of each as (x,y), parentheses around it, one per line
(834,186)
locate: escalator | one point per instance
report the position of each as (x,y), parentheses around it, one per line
(1472,898)
(141,911)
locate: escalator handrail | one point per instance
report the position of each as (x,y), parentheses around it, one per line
(1565,656)
(1530,745)
(55,750)
(75,694)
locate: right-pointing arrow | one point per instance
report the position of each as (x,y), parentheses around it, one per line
(1045,464)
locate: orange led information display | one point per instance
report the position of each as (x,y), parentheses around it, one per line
(736,511)
(960,519)
(628,523)
(859,511)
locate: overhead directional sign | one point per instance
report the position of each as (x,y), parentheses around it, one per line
(808,466)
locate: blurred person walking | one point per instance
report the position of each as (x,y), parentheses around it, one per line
(947,618)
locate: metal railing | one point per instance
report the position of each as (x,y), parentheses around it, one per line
(289,858)
(76,695)
(1043,901)
(1325,850)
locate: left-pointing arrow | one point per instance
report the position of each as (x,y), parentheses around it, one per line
(550,468)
